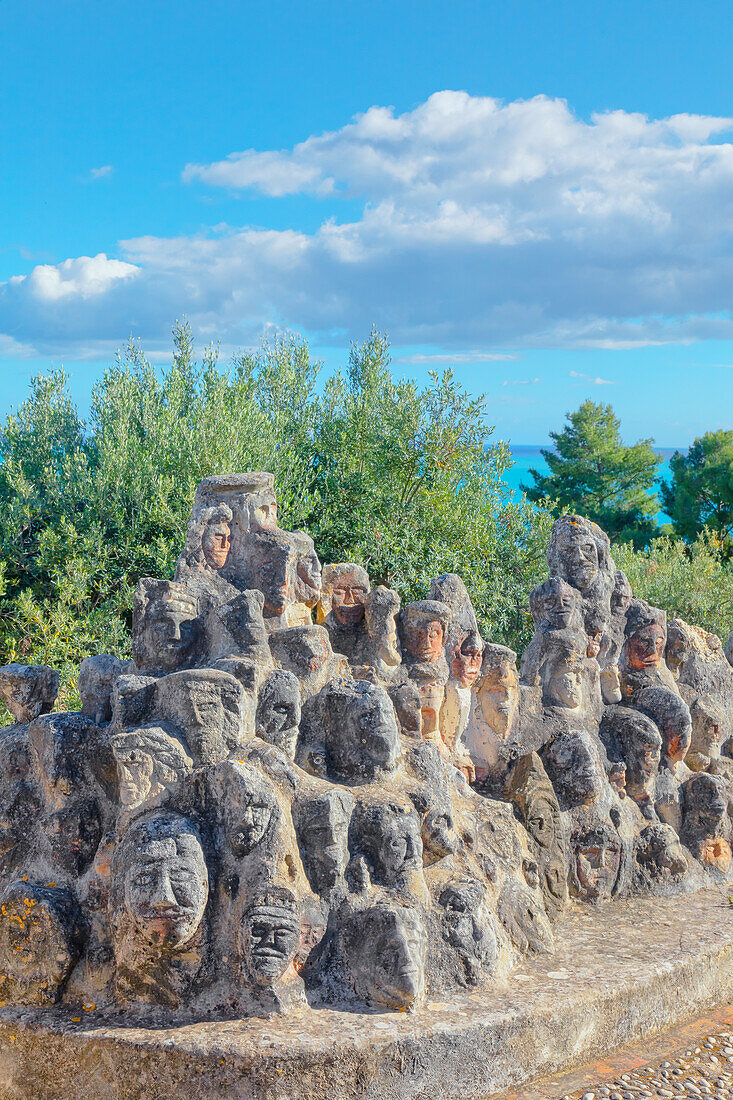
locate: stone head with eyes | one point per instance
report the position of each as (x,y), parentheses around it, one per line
(359,726)
(278,711)
(387,835)
(322,825)
(164,626)
(164,880)
(246,807)
(151,766)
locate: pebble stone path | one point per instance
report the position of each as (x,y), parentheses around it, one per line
(692,1061)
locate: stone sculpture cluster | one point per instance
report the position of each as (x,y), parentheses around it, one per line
(260,811)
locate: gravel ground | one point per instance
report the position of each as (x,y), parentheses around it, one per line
(706,1070)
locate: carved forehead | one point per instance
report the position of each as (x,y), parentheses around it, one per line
(280,686)
(345,573)
(498,658)
(163,836)
(420,614)
(641,616)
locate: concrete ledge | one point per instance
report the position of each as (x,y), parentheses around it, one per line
(630,970)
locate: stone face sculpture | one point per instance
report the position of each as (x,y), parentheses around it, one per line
(261,813)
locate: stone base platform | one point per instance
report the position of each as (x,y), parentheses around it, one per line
(631,969)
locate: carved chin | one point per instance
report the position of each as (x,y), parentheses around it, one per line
(349,615)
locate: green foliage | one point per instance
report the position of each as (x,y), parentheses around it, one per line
(694,581)
(593,473)
(400,478)
(701,491)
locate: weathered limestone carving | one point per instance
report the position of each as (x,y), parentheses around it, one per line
(260,813)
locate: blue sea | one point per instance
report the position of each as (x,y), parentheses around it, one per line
(529,456)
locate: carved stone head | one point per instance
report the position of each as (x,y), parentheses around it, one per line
(561,672)
(270,567)
(348,585)
(671,715)
(533,795)
(28,690)
(164,629)
(705,824)
(387,835)
(466,663)
(621,595)
(308,580)
(278,711)
(659,852)
(40,941)
(210,708)
(322,825)
(164,879)
(360,730)
(245,804)
(497,695)
(524,918)
(303,650)
(424,626)
(646,636)
(270,934)
(467,926)
(384,949)
(151,766)
(579,552)
(553,605)
(575,767)
(216,535)
(595,862)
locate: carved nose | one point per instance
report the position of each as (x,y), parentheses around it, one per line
(165,898)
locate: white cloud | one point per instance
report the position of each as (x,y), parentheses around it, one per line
(483,225)
(459,358)
(100,173)
(589,378)
(521,381)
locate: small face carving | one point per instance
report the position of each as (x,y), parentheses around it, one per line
(215,543)
(58,742)
(278,711)
(563,684)
(168,633)
(646,647)
(250,827)
(438,833)
(575,768)
(270,937)
(498,697)
(659,851)
(596,861)
(308,578)
(399,847)
(466,664)
(621,595)
(706,805)
(271,567)
(423,637)
(465,930)
(579,557)
(347,598)
(210,709)
(594,643)
(135,770)
(166,889)
(557,605)
(263,514)
(387,951)
(367,737)
(323,829)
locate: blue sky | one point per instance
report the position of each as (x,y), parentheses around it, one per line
(540,194)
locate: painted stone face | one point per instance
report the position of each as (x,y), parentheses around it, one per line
(347,598)
(39,943)
(498,697)
(166,888)
(423,637)
(215,543)
(270,936)
(432,694)
(323,829)
(594,644)
(646,647)
(466,664)
(595,863)
(150,765)
(386,949)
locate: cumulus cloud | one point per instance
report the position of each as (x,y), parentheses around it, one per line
(521,381)
(483,225)
(100,173)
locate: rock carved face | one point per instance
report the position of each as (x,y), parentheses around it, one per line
(498,697)
(270,937)
(347,598)
(595,864)
(423,637)
(167,634)
(466,664)
(579,557)
(323,830)
(215,543)
(166,889)
(386,949)
(646,647)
